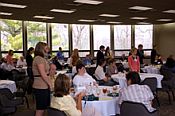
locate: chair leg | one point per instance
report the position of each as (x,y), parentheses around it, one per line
(157,99)
(27,101)
(169,97)
(173,95)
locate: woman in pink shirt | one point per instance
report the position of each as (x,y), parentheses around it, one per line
(9,57)
(133,61)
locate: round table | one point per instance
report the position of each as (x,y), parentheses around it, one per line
(8,84)
(105,106)
(120,77)
(151,69)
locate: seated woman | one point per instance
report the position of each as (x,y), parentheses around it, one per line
(61,99)
(158,60)
(82,77)
(170,64)
(21,62)
(135,92)
(112,68)
(9,57)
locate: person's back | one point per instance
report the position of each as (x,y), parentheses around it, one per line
(66,104)
(138,93)
(135,92)
(99,73)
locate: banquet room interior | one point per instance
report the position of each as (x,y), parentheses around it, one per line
(86,25)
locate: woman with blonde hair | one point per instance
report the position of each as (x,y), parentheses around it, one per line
(42,83)
(133,61)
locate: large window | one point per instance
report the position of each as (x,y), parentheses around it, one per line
(144,36)
(11,35)
(60,36)
(101,35)
(36,32)
(81,37)
(122,37)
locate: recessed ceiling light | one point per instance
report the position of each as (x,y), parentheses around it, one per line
(143,23)
(169,11)
(63,11)
(142,8)
(86,20)
(5,13)
(113,22)
(43,17)
(108,15)
(93,2)
(139,18)
(164,19)
(12,5)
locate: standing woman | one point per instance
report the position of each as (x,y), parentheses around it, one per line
(133,61)
(42,83)
(75,57)
(107,52)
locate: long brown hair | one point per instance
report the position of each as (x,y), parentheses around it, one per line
(61,85)
(39,49)
(75,57)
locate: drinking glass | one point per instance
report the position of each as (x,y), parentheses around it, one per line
(104,91)
(114,89)
(97,91)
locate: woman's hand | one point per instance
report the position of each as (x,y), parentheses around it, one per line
(81,95)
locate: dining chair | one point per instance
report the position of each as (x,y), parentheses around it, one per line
(55,112)
(168,82)
(129,108)
(152,83)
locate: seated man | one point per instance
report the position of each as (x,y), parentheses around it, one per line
(101,76)
(87,60)
(82,77)
(135,92)
(60,54)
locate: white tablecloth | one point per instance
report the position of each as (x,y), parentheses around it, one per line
(125,64)
(105,106)
(122,80)
(151,69)
(8,84)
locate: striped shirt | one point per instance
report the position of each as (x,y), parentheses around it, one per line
(137,93)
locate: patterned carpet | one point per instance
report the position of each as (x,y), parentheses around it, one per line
(165,109)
